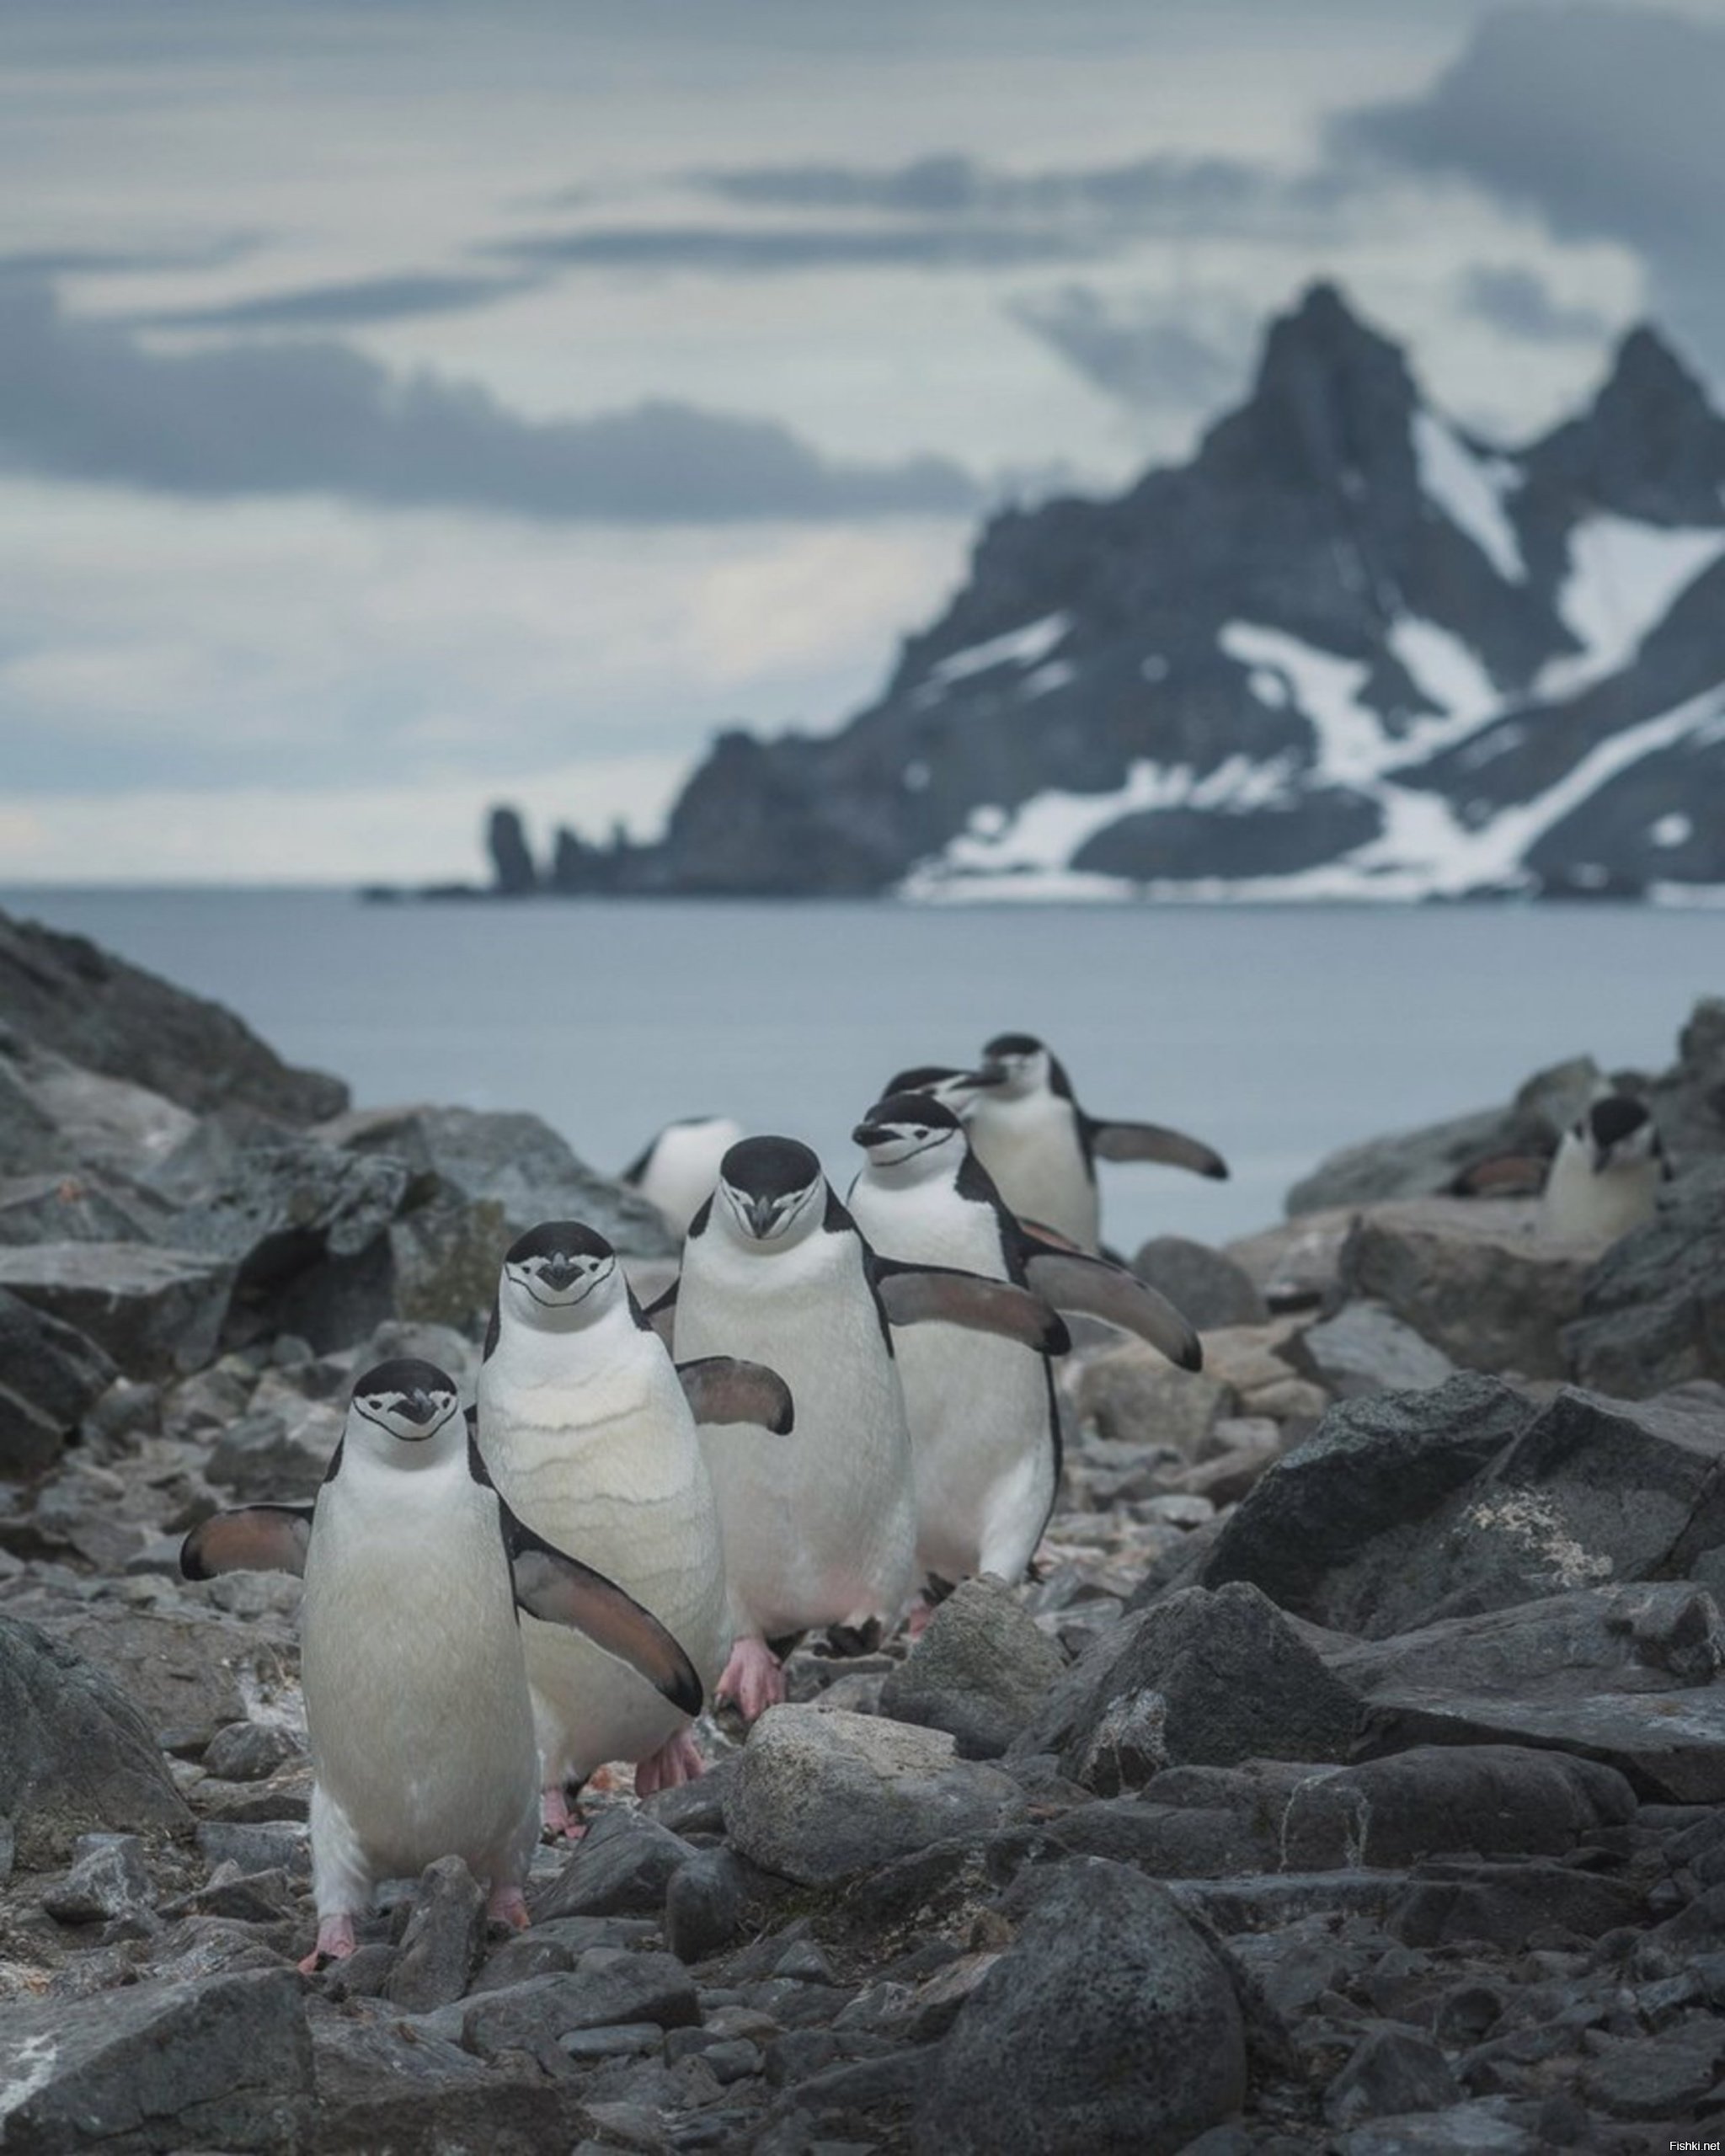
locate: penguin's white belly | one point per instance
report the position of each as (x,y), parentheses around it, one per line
(819,1526)
(982,1448)
(1031,1149)
(416,1693)
(632,1497)
(1581,1206)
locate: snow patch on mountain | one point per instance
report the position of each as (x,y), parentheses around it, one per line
(1470,491)
(1023,647)
(1623,577)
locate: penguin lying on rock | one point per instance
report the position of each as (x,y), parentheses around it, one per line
(1041,1148)
(416,1690)
(588,1429)
(819,1529)
(984,1426)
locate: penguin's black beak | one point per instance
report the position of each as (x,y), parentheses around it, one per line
(416,1407)
(987,1074)
(869,1134)
(762,1212)
(558,1273)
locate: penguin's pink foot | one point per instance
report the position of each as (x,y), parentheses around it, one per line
(677,1760)
(335,1942)
(559,1817)
(508,1905)
(917,1623)
(753,1678)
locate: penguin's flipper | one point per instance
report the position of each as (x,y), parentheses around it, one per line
(1151,1141)
(661,1314)
(722,1389)
(917,1294)
(1073,1282)
(559,1589)
(251,1539)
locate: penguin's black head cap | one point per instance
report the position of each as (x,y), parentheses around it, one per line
(559,1261)
(1619,1128)
(1018,1063)
(907,1122)
(1005,1044)
(766,1182)
(409,1398)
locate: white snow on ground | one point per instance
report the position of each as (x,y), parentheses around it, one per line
(1025,647)
(1469,488)
(1623,577)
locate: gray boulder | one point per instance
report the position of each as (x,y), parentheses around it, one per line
(81,1207)
(1688,1102)
(1366,1348)
(1329,1530)
(1295,1266)
(154,1312)
(475,1183)
(608,1986)
(388,2085)
(821,1794)
(979,1672)
(623,1867)
(78,1755)
(275,1455)
(88,1005)
(1206,1286)
(50,1377)
(1475,1276)
(221,2063)
(445,1936)
(1132,1394)
(1198,1678)
(1108,2026)
(1652,1309)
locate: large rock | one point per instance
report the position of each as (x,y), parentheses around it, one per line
(222,2064)
(1652,1309)
(78,1754)
(1198,1678)
(184,1671)
(1538,1502)
(1329,1530)
(1296,1265)
(81,1207)
(1475,1276)
(1689,1101)
(154,1312)
(392,2087)
(475,1183)
(1626,1676)
(1133,1394)
(99,1122)
(822,1794)
(306,1227)
(1108,2027)
(980,1671)
(50,1377)
(445,1936)
(1366,1348)
(1207,1287)
(92,1007)
(277,1456)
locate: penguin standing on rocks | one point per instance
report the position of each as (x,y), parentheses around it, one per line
(820,1528)
(676,1171)
(1042,1149)
(416,1693)
(1605,1177)
(985,1427)
(588,1429)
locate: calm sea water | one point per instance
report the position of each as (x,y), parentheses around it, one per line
(1276,1035)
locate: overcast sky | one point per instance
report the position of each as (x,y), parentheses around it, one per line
(409,403)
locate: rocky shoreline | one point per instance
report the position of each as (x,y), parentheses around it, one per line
(1352,1778)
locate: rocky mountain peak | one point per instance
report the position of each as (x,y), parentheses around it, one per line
(1651,445)
(1330,408)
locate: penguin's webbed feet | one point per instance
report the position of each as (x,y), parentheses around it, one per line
(508,1905)
(335,1942)
(560,1817)
(753,1678)
(676,1761)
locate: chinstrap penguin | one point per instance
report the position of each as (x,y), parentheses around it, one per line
(1605,1177)
(819,1530)
(677,1169)
(985,1426)
(416,1691)
(1041,1148)
(588,1429)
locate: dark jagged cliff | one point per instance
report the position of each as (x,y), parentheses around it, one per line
(1348,649)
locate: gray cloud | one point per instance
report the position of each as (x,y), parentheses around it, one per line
(1521,304)
(85,400)
(753,251)
(1152,355)
(213,253)
(347,305)
(1606,120)
(1212,195)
